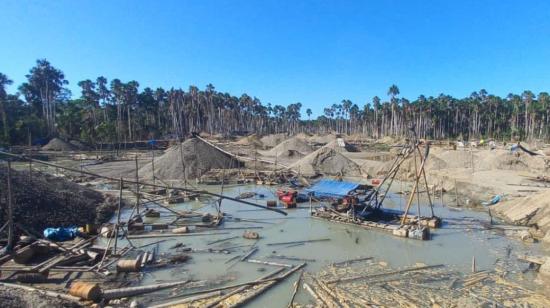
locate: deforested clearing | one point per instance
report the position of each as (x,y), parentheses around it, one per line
(328,162)
(197,157)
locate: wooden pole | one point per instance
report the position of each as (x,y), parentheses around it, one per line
(11,234)
(30,172)
(473,264)
(416,171)
(118,215)
(153,164)
(137,187)
(183,165)
(426,182)
(241,289)
(415,186)
(296,287)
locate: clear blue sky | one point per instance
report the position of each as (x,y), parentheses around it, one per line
(314,52)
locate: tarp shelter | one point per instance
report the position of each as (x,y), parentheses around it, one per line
(331,188)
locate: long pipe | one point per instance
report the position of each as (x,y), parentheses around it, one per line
(202,192)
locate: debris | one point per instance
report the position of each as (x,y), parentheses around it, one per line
(251,235)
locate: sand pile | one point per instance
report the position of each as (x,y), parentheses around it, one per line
(250,140)
(322,139)
(340,145)
(289,148)
(50,201)
(272,140)
(198,157)
(328,162)
(531,210)
(57,144)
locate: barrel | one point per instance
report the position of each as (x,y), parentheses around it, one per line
(272,203)
(24,254)
(125,266)
(86,290)
(180,230)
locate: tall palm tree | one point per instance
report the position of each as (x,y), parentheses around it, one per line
(4,81)
(393,91)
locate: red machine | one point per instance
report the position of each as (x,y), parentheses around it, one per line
(287,197)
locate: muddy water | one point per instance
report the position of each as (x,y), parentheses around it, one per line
(454,245)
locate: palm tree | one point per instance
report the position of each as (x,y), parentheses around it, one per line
(4,81)
(393,91)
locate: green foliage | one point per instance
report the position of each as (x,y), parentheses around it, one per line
(118,111)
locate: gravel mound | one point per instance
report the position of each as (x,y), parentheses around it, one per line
(328,162)
(198,157)
(50,201)
(339,145)
(322,139)
(250,140)
(272,140)
(290,147)
(57,144)
(531,210)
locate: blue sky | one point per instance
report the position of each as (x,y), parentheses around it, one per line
(313,52)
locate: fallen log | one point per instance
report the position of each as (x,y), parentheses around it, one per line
(320,302)
(241,289)
(262,289)
(268,263)
(346,279)
(299,242)
(131,237)
(133,291)
(187,300)
(296,286)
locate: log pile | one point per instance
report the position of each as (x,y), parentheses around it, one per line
(374,284)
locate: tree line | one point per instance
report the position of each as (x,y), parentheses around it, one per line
(116,111)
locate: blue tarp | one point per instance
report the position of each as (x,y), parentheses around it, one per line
(331,188)
(60,234)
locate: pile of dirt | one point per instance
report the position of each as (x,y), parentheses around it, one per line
(57,144)
(322,139)
(49,201)
(328,162)
(272,140)
(529,211)
(291,147)
(250,140)
(198,158)
(340,145)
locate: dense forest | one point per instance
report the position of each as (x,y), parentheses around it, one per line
(112,111)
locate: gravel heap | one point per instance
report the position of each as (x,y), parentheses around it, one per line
(290,147)
(57,144)
(49,201)
(272,140)
(326,161)
(198,158)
